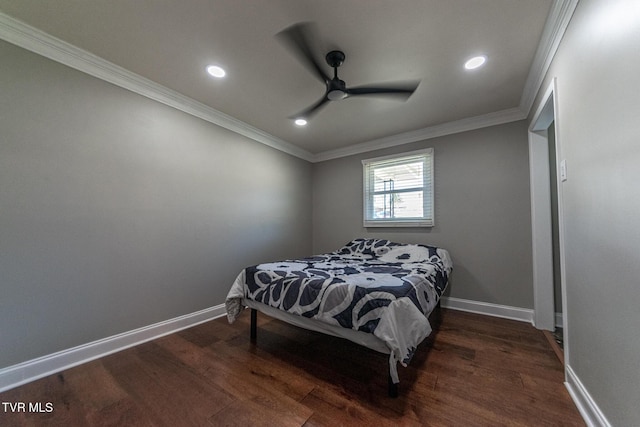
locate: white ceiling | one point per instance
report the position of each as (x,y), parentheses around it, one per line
(171,42)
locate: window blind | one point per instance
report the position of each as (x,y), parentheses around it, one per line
(398,190)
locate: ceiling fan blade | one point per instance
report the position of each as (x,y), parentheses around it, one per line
(298,38)
(401,90)
(307,113)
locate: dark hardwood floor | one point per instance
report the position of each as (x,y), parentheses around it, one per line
(473,371)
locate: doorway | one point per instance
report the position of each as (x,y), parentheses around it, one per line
(546,219)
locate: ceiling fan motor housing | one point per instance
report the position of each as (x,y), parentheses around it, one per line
(336,89)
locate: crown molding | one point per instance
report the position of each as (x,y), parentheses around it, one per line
(554,29)
(457,126)
(34,40)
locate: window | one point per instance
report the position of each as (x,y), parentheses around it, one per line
(398,190)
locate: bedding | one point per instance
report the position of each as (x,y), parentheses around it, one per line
(372,286)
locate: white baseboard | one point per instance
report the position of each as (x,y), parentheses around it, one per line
(31,370)
(496,310)
(559,320)
(588,408)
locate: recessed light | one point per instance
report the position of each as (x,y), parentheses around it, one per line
(475,62)
(301,122)
(216,71)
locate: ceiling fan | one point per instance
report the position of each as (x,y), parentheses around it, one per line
(298,38)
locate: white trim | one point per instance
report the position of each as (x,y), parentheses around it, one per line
(554,29)
(489,309)
(587,407)
(31,370)
(463,125)
(559,318)
(561,224)
(425,156)
(541,236)
(540,193)
(34,40)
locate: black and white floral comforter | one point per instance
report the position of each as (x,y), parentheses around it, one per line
(370,285)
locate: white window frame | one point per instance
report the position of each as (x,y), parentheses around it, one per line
(427,220)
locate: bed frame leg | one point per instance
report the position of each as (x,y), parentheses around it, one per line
(437,315)
(254,318)
(393,388)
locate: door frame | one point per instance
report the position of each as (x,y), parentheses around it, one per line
(541,233)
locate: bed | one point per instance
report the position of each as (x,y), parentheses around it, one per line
(374,292)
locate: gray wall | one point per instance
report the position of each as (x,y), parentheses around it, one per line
(117,212)
(598,131)
(482,210)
